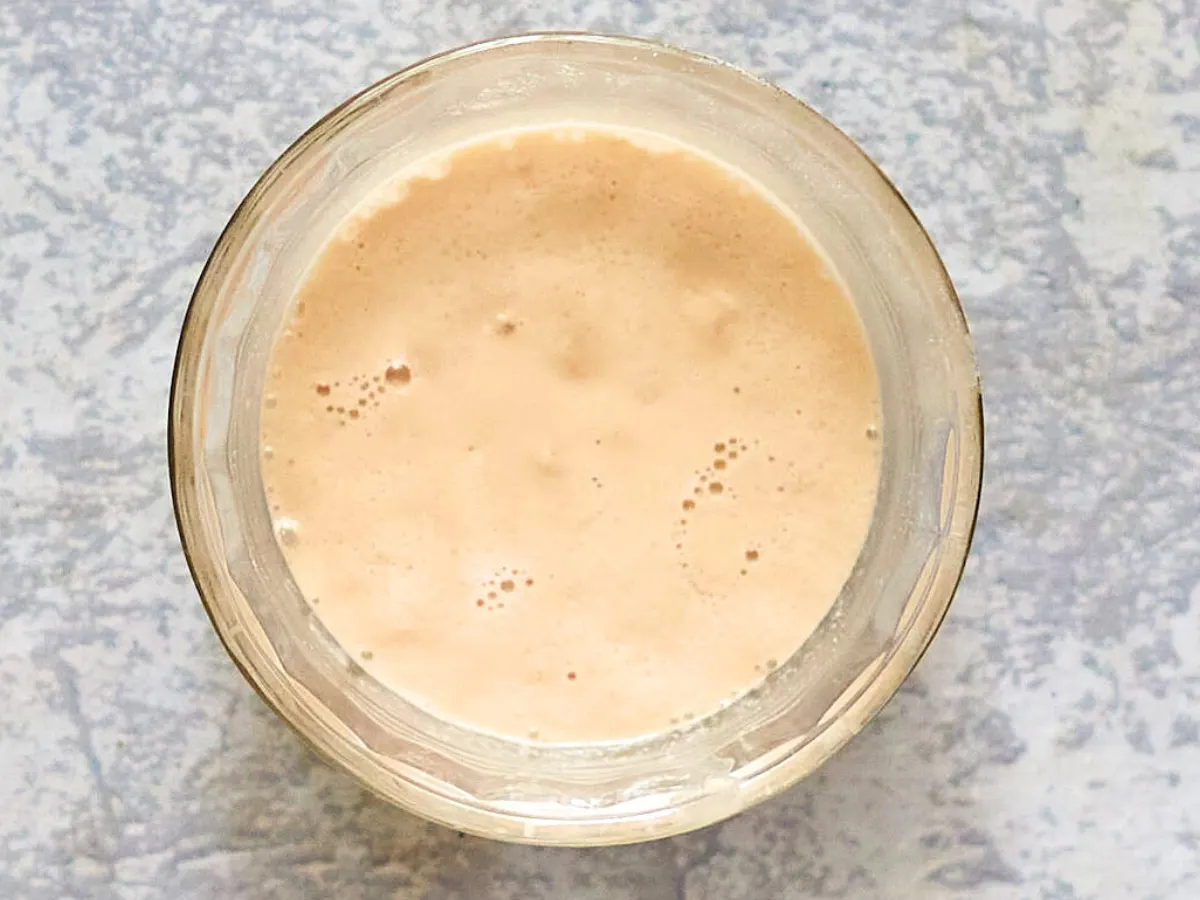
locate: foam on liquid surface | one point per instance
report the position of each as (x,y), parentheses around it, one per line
(571,437)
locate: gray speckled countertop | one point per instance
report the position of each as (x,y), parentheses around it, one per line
(1048,745)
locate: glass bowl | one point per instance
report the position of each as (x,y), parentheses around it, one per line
(807,708)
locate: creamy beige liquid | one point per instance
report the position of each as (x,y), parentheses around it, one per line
(571,438)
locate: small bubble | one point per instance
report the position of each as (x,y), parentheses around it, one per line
(270,401)
(507,584)
(268,452)
(288,531)
(752,555)
(367,655)
(533,733)
(689,504)
(716,487)
(872,432)
(718,463)
(323,390)
(398,373)
(570,676)
(505,325)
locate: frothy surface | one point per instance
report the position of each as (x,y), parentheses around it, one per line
(573,439)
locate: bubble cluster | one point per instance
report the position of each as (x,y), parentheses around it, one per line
(712,483)
(362,393)
(505,583)
(712,479)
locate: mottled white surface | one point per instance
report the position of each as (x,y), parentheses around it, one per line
(1048,745)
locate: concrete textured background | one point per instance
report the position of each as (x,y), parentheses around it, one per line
(1049,744)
